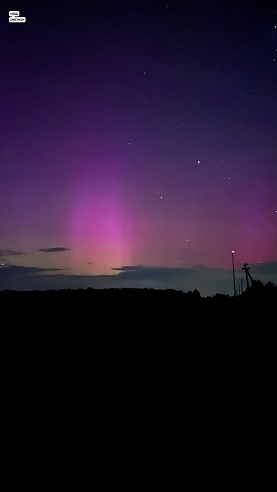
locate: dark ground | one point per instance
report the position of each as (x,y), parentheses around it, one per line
(123,380)
(140,309)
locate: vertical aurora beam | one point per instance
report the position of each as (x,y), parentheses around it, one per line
(100,229)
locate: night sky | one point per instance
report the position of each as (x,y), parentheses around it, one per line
(138,144)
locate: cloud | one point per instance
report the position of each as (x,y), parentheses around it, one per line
(9,252)
(128,268)
(153,276)
(185,279)
(208,281)
(54,250)
(263,268)
(13,277)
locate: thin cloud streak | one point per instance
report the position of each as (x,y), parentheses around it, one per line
(54,250)
(10,252)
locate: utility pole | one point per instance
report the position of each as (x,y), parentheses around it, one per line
(233,264)
(248,276)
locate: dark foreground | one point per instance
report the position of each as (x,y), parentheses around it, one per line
(136,329)
(139,308)
(157,378)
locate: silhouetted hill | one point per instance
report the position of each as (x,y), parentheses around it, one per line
(148,307)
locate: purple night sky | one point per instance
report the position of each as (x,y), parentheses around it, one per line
(138,144)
